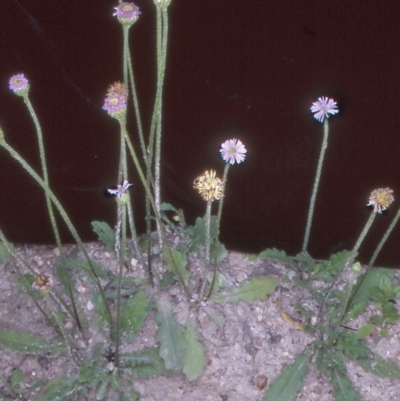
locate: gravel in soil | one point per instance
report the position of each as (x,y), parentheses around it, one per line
(246,344)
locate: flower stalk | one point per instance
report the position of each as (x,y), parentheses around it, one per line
(15,155)
(23,90)
(322,108)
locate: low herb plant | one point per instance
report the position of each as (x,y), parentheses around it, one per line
(96,338)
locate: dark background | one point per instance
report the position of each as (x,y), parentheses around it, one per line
(249,70)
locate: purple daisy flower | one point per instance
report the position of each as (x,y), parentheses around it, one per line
(323,107)
(127,13)
(19,84)
(233,151)
(114,103)
(121,189)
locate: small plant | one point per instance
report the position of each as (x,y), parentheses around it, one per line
(96,312)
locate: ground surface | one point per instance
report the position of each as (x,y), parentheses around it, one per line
(246,344)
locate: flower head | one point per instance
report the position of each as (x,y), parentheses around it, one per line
(115,101)
(127,13)
(233,151)
(380,199)
(43,283)
(209,186)
(121,189)
(322,107)
(19,84)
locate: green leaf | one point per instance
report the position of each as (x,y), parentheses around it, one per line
(194,353)
(257,288)
(144,364)
(167,207)
(379,366)
(343,388)
(326,359)
(371,280)
(16,379)
(386,285)
(289,383)
(133,313)
(365,331)
(101,309)
(278,256)
(61,389)
(170,336)
(335,263)
(28,343)
(176,262)
(80,264)
(304,262)
(92,374)
(353,347)
(102,389)
(376,294)
(222,252)
(105,233)
(197,234)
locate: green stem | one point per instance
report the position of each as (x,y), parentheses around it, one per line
(316,184)
(157,215)
(14,154)
(63,332)
(161,76)
(156,121)
(219,214)
(208,218)
(50,209)
(135,242)
(372,261)
(136,105)
(122,218)
(384,239)
(349,261)
(125,53)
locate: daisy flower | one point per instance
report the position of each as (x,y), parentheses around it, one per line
(380,199)
(115,101)
(19,84)
(127,13)
(233,151)
(121,189)
(209,186)
(323,107)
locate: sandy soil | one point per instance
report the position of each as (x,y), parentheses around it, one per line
(246,344)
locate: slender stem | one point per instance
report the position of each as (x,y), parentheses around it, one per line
(135,242)
(136,105)
(384,239)
(349,261)
(50,209)
(316,184)
(343,307)
(122,218)
(372,261)
(157,215)
(63,332)
(161,75)
(125,52)
(219,214)
(63,214)
(208,218)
